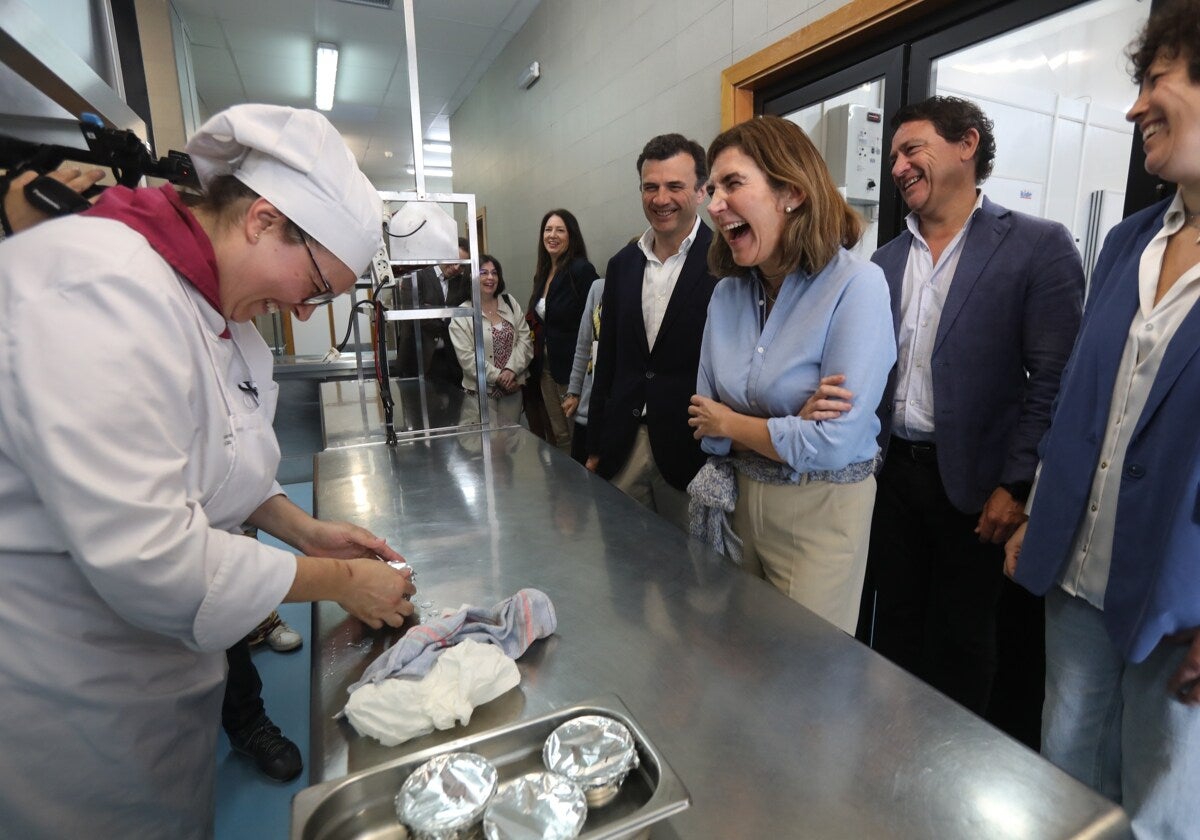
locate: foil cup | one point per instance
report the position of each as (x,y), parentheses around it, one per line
(595,752)
(445,797)
(536,806)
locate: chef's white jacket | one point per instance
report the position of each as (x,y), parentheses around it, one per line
(129,457)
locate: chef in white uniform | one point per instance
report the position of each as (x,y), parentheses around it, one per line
(135,443)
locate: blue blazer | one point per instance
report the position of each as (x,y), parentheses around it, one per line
(1006,330)
(628,375)
(1154,580)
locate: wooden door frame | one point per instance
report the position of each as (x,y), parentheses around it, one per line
(840,30)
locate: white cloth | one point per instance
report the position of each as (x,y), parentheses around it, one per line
(924,294)
(1150,333)
(296,160)
(128,460)
(659,279)
(464,676)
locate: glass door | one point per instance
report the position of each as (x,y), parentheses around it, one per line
(845,114)
(1057,90)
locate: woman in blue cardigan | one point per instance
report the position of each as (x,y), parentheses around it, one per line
(1114,530)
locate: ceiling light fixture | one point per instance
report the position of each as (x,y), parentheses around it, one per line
(441,148)
(437,171)
(327,62)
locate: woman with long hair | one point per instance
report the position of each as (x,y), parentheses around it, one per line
(794,306)
(560,286)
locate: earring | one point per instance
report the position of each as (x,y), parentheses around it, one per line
(787,209)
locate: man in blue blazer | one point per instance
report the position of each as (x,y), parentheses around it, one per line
(656,293)
(986,303)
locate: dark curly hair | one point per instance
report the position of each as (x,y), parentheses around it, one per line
(1172,32)
(666,146)
(952,118)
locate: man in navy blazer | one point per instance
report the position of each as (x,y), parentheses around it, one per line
(986,303)
(656,293)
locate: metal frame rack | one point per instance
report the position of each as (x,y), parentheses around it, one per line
(474,311)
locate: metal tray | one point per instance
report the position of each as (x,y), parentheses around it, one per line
(361,806)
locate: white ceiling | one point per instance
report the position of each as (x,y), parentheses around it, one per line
(265,51)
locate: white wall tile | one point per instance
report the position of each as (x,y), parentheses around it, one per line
(615,73)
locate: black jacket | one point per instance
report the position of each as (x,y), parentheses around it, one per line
(628,375)
(564,307)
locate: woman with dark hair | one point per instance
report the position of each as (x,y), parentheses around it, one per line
(507,345)
(1113,537)
(128,471)
(560,287)
(794,306)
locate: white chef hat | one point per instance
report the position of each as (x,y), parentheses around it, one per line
(422,230)
(296,160)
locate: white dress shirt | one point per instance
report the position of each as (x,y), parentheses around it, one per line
(659,278)
(922,298)
(1150,332)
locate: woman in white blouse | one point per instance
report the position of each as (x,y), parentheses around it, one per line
(507,345)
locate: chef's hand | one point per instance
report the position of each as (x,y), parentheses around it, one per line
(375,593)
(345,540)
(1002,515)
(829,401)
(1012,549)
(23,215)
(707,417)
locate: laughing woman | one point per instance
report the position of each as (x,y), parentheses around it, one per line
(1113,538)
(794,306)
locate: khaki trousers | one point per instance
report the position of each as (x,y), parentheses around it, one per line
(640,480)
(553,394)
(809,540)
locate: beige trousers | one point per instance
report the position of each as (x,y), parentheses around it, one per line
(809,540)
(553,394)
(640,480)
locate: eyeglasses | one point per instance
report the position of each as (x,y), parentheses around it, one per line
(321,297)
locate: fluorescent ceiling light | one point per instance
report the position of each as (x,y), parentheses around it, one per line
(439,171)
(327,61)
(443,148)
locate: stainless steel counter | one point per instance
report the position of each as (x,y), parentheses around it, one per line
(778,724)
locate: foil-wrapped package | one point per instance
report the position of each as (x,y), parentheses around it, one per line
(445,797)
(595,752)
(536,806)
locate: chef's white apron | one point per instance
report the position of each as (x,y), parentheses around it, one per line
(139,710)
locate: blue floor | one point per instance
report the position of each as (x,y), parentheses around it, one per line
(249,805)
